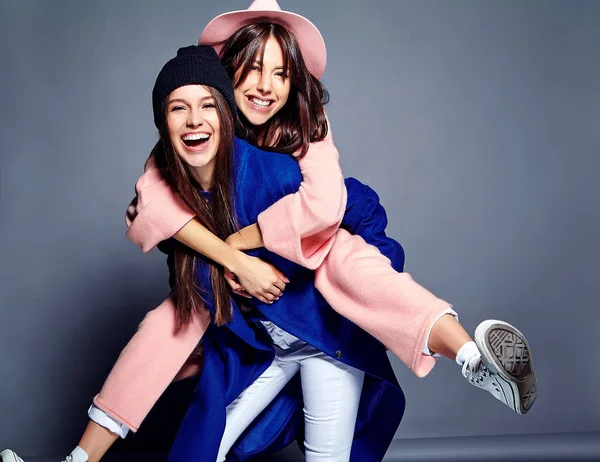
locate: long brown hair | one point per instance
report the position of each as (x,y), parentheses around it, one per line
(217,215)
(302,120)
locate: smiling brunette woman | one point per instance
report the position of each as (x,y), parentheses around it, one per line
(276,59)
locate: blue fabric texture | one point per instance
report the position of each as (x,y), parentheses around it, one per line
(240,351)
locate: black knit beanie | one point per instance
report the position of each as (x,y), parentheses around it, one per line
(193,65)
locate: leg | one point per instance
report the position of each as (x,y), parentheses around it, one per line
(96,440)
(146,366)
(254,399)
(361,285)
(447,336)
(499,361)
(331,391)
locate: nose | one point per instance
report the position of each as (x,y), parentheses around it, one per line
(195,118)
(264,83)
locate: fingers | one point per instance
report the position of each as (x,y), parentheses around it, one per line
(274,291)
(235,285)
(242,293)
(268,296)
(281,281)
(264,300)
(266,292)
(281,276)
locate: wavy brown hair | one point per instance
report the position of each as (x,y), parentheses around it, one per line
(301,120)
(217,215)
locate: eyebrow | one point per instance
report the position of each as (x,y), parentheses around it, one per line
(179,100)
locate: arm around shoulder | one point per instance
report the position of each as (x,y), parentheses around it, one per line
(300,225)
(157,212)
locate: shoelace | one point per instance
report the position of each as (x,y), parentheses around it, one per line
(474,364)
(478,372)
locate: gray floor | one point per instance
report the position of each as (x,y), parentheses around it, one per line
(543,448)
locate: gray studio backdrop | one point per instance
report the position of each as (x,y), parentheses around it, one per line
(476,121)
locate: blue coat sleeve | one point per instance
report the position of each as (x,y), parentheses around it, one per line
(366,217)
(281,173)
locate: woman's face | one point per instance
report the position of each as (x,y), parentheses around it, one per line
(194,129)
(267,87)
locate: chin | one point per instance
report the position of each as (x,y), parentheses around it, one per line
(258,119)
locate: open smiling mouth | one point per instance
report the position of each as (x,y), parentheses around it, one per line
(260,103)
(195,140)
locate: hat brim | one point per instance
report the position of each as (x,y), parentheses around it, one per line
(308,36)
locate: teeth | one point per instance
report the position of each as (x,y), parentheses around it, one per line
(260,102)
(196,136)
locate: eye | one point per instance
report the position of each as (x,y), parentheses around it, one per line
(208,106)
(255,67)
(282,74)
(177,108)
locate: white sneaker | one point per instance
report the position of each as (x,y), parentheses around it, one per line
(77,455)
(9,456)
(505,367)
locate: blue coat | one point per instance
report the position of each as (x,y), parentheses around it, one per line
(238,353)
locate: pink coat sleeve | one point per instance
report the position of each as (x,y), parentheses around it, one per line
(301,226)
(157,212)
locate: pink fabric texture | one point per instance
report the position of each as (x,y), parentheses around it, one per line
(157,212)
(359,282)
(301,226)
(354,277)
(154,357)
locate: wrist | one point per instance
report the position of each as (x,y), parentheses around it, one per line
(234,263)
(233,241)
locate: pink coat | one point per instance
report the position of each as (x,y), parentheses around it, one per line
(354,277)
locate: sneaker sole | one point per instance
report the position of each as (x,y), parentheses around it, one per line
(9,456)
(506,352)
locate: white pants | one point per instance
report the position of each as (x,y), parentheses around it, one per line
(280,338)
(331,392)
(330,388)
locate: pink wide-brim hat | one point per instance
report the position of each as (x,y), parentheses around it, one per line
(308,36)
